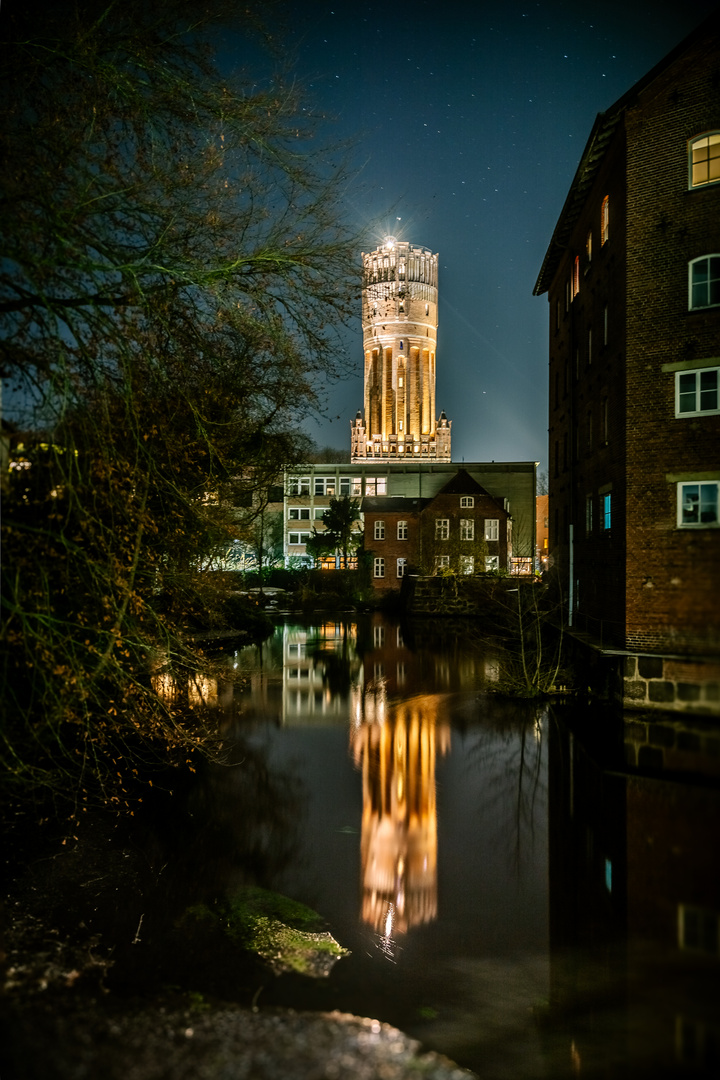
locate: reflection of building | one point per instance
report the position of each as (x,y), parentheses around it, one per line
(632,275)
(399,313)
(396,745)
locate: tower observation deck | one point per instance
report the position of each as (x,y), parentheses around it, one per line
(399,320)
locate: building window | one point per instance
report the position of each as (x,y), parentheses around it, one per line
(324,485)
(442,528)
(704,283)
(696,392)
(576,277)
(704,160)
(467,529)
(697,505)
(376,485)
(402,530)
(492,528)
(442,562)
(588,246)
(298,538)
(378,567)
(378,636)
(299,485)
(467,500)
(319,513)
(492,562)
(698,929)
(299,513)
(588,515)
(607,511)
(401,567)
(400,381)
(605,220)
(344,485)
(467,564)
(379,531)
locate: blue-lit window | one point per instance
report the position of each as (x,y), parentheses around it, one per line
(607,511)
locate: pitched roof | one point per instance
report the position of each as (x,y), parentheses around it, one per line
(606,123)
(389,504)
(462,483)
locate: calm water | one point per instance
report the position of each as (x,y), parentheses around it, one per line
(513,895)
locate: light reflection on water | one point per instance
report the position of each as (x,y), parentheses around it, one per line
(509,898)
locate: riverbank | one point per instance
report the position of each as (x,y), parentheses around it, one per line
(90,989)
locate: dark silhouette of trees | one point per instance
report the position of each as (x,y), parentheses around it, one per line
(174,272)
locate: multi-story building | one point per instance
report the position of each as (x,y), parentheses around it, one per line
(399,320)
(462,529)
(309,488)
(632,275)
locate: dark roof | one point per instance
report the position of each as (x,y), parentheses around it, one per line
(389,504)
(462,483)
(606,123)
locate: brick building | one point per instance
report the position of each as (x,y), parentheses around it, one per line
(462,528)
(632,275)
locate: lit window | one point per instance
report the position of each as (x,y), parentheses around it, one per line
(492,562)
(401,567)
(400,381)
(576,277)
(442,562)
(704,282)
(379,568)
(402,530)
(704,160)
(379,533)
(696,392)
(605,220)
(697,505)
(492,528)
(442,528)
(467,500)
(607,511)
(588,246)
(299,485)
(467,564)
(467,529)
(344,485)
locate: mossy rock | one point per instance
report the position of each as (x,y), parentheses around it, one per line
(283,932)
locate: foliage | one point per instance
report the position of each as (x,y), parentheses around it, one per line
(172,281)
(339,533)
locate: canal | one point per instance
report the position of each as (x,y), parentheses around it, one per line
(532,890)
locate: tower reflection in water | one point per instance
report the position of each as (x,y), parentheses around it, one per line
(395,745)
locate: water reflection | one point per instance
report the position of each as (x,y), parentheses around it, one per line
(395,745)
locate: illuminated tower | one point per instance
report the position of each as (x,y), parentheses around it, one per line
(399,313)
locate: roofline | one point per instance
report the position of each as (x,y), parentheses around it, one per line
(602,132)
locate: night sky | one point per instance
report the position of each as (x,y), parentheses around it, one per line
(469,121)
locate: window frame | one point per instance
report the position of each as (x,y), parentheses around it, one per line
(713,256)
(442,562)
(402,530)
(299,513)
(605,221)
(606,497)
(467,565)
(699,484)
(442,528)
(492,562)
(467,501)
(692,143)
(379,529)
(401,567)
(698,391)
(492,529)
(467,528)
(378,567)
